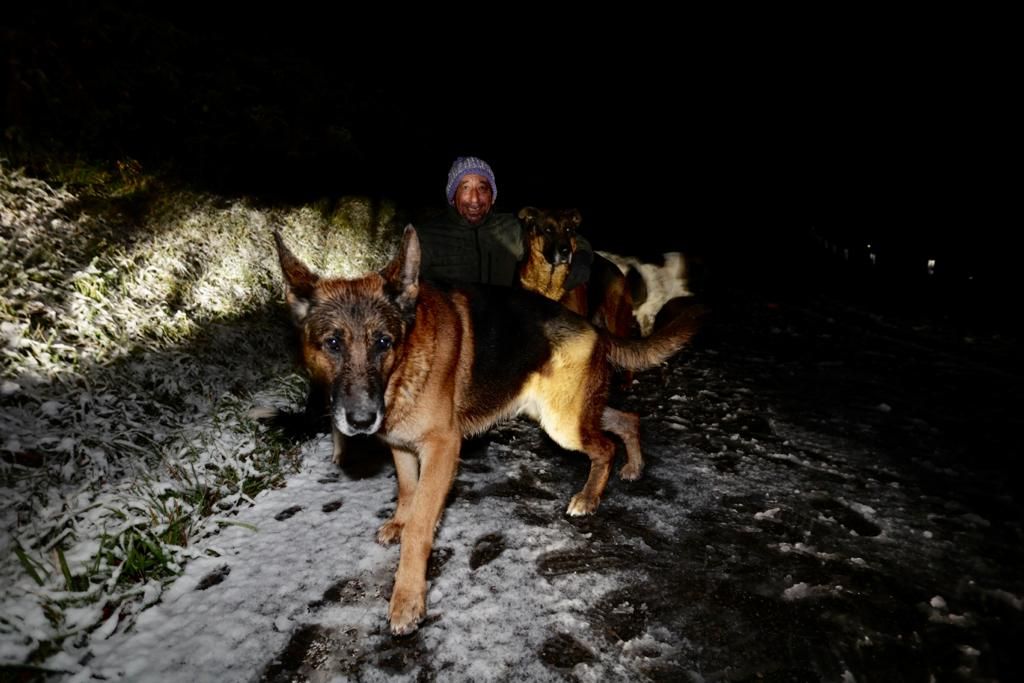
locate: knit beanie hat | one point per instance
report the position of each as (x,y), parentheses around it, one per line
(464,166)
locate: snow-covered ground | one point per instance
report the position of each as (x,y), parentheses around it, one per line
(817,507)
(830,495)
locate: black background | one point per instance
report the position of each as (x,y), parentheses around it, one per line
(737,135)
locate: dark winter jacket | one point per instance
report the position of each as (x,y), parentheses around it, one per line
(457,251)
(487,253)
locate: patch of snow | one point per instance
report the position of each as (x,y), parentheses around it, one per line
(767,514)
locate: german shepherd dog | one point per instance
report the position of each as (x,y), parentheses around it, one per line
(550,244)
(424,365)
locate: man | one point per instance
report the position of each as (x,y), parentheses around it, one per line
(471,243)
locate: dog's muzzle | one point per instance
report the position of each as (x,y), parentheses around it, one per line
(353,422)
(357,409)
(559,255)
(360,414)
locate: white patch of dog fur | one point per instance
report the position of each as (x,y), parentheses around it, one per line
(664,283)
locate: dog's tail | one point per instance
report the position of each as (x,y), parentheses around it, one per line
(641,354)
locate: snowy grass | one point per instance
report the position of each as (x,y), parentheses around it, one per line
(137,328)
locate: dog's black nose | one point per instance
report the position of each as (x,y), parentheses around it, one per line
(360,420)
(564,249)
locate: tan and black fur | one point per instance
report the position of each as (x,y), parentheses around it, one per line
(550,245)
(423,366)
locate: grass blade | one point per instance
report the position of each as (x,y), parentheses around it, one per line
(68,582)
(26,562)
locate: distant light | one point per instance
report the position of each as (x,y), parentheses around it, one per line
(931,266)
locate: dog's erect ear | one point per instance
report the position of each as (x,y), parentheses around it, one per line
(528,216)
(402,275)
(299,280)
(576,217)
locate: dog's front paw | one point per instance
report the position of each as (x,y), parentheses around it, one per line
(406,611)
(338,449)
(389,532)
(582,504)
(631,471)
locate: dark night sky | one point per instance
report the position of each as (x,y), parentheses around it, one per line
(717,134)
(892,133)
(735,147)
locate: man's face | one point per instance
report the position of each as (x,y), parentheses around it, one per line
(473,198)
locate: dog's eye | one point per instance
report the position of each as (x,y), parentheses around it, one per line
(384,342)
(332,344)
